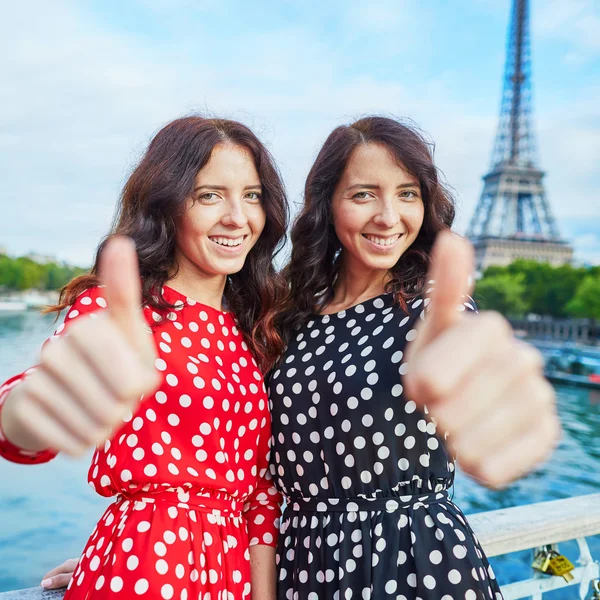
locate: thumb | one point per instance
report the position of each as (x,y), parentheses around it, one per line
(451,270)
(120,275)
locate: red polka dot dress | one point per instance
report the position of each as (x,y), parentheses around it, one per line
(189,468)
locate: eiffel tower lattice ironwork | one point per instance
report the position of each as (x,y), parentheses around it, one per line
(513,218)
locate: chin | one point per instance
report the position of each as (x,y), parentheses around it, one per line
(380,263)
(230,268)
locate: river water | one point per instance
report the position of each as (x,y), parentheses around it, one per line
(48,511)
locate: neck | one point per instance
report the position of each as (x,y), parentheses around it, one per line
(202,287)
(357,283)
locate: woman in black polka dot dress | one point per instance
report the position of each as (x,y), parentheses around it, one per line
(365,469)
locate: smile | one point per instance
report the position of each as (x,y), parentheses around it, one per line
(383,242)
(228,242)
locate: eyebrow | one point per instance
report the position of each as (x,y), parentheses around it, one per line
(223,188)
(374,186)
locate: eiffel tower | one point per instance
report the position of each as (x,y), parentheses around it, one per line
(513,218)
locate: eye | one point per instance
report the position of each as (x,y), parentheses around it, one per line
(208,197)
(409,194)
(254,196)
(362,196)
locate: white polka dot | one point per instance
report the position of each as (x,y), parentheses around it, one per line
(454,576)
(150,470)
(116,584)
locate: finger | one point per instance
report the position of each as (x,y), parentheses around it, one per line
(456,354)
(114,361)
(68,567)
(57,582)
(451,270)
(39,424)
(58,403)
(532,401)
(119,273)
(63,362)
(521,455)
(496,379)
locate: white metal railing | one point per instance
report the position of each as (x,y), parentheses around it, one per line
(503,531)
(533,526)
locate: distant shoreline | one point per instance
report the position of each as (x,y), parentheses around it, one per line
(17,301)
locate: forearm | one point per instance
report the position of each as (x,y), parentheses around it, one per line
(262,572)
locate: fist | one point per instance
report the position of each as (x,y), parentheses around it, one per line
(482,387)
(92,376)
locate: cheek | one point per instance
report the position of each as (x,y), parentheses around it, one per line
(349,222)
(258,219)
(415,217)
(191,226)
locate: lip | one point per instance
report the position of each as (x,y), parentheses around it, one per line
(378,247)
(230,250)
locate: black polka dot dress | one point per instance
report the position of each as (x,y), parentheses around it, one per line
(366,476)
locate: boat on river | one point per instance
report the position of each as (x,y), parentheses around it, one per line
(571,364)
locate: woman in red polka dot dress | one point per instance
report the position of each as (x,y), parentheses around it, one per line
(188,463)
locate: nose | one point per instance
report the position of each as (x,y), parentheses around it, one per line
(388,215)
(235,215)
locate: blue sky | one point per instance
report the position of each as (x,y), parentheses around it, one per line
(86,84)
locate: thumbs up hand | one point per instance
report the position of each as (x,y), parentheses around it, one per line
(482,386)
(90,378)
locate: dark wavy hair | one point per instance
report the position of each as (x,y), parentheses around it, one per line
(316,250)
(155,195)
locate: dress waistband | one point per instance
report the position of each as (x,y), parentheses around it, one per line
(208,502)
(386,503)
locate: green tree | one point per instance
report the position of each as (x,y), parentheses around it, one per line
(548,289)
(24,273)
(586,302)
(503,292)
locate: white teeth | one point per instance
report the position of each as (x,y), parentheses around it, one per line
(383,241)
(227,241)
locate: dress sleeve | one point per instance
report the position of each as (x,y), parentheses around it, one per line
(263,507)
(88,304)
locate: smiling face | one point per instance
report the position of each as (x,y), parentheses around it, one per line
(224,215)
(377,211)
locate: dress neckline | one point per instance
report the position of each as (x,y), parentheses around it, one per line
(191,302)
(384,295)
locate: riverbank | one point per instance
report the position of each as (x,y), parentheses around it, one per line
(16,301)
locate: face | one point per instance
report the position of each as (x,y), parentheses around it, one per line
(377,210)
(224,215)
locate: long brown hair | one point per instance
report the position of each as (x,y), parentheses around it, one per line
(316,250)
(155,195)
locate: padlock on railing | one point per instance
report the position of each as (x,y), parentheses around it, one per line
(541,560)
(560,566)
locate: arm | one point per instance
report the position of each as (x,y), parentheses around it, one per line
(262,512)
(263,573)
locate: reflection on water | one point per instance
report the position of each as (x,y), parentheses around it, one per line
(48,511)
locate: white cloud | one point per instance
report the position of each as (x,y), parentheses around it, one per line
(80,101)
(574,22)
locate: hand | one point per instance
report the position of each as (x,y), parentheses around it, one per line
(60,576)
(90,378)
(482,386)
